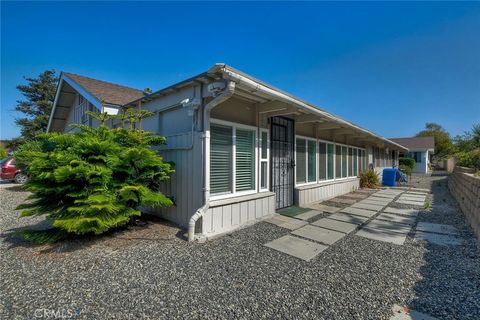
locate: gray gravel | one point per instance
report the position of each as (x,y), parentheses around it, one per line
(235,276)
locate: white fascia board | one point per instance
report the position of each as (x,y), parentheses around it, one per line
(57,95)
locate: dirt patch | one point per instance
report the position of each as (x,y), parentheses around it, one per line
(149,228)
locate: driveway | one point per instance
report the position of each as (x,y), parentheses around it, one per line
(149,271)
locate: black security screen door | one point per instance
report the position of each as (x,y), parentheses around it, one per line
(283,160)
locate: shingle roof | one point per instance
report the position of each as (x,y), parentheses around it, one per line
(105,91)
(416,142)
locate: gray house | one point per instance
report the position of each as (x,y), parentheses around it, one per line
(242,147)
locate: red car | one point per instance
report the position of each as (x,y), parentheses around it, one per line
(10,171)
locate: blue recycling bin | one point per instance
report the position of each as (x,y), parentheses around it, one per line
(389,177)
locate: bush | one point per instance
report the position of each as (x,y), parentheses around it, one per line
(409,162)
(92,180)
(369,179)
(3,153)
(469,159)
(405,169)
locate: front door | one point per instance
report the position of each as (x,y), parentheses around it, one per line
(282,160)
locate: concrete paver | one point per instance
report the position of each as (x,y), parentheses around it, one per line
(335,225)
(347,217)
(404,313)
(286,222)
(324,208)
(368,206)
(406,212)
(385,236)
(437,228)
(438,239)
(307,215)
(412,198)
(319,234)
(342,200)
(378,199)
(391,226)
(359,212)
(299,248)
(413,203)
(409,220)
(386,196)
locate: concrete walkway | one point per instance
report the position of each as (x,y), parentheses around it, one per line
(372,217)
(306,241)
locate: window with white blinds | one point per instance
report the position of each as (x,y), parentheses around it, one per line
(221,159)
(232,159)
(245,160)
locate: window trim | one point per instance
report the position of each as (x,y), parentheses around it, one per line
(234,127)
(261,160)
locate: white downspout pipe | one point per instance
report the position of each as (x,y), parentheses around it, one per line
(226,94)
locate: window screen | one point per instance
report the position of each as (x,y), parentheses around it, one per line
(338,161)
(330,162)
(312,160)
(322,161)
(301,161)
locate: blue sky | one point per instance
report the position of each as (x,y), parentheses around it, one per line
(389,67)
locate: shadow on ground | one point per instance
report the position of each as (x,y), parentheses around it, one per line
(450,285)
(146,228)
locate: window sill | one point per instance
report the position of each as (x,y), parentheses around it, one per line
(237,199)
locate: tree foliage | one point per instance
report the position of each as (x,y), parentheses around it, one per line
(93,179)
(468,148)
(406,161)
(39,94)
(443,142)
(3,153)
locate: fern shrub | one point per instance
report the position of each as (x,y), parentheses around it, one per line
(369,179)
(93,179)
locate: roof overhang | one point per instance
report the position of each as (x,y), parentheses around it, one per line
(302,111)
(61,109)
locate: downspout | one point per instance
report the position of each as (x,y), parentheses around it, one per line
(226,94)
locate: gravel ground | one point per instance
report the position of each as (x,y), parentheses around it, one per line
(138,274)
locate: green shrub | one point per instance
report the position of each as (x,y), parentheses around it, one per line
(92,180)
(405,169)
(3,153)
(469,159)
(409,162)
(369,179)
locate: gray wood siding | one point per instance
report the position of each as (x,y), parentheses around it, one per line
(185,185)
(319,192)
(229,216)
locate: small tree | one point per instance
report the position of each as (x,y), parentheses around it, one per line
(92,180)
(38,94)
(443,142)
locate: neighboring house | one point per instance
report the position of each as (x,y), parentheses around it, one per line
(420,148)
(241,147)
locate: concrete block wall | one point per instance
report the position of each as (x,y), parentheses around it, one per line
(465,188)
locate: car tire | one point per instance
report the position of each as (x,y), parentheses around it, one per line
(21,178)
